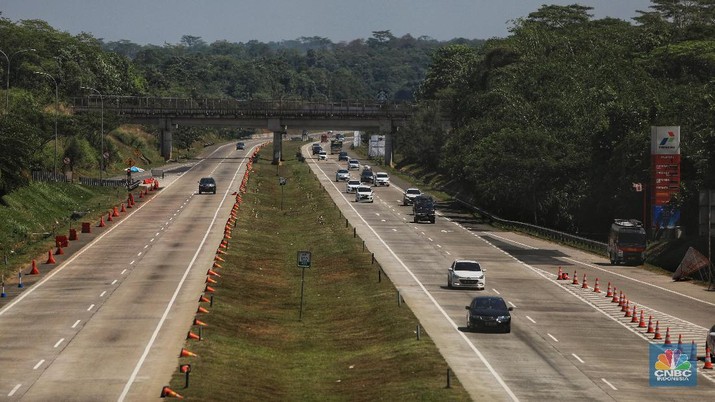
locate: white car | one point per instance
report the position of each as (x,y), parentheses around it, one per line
(342,175)
(382,179)
(363,194)
(408,198)
(353,164)
(322,156)
(466,274)
(352,186)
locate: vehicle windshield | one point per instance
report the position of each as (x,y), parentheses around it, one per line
(364,189)
(467,266)
(382,175)
(342,171)
(489,303)
(413,191)
(207,181)
(631,238)
(354,182)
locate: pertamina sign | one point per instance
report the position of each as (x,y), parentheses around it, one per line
(665,175)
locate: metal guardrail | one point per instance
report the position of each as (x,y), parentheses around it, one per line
(541,232)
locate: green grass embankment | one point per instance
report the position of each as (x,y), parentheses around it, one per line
(353,343)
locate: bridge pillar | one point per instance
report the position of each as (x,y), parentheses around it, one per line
(278,131)
(165,139)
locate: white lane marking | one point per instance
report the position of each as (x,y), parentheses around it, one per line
(132,262)
(76,323)
(448,253)
(38,364)
(170,304)
(14,390)
(429,295)
(552,337)
(382,220)
(439,246)
(530,319)
(577,358)
(496,291)
(59,342)
(157,234)
(123,271)
(394,230)
(151,240)
(430,239)
(609,384)
(139,254)
(512,304)
(114,281)
(146,246)
(103,293)
(91,306)
(377,213)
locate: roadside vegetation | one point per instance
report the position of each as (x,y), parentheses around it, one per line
(353,343)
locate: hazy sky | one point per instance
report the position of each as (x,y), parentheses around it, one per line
(166,21)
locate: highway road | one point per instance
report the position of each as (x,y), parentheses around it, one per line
(567,342)
(108,322)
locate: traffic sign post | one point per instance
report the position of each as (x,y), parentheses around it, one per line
(303,263)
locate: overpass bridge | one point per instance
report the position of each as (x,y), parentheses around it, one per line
(274,115)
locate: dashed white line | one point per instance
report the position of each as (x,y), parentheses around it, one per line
(496,291)
(76,323)
(530,319)
(91,306)
(440,246)
(146,246)
(114,281)
(157,233)
(59,342)
(103,293)
(132,263)
(151,240)
(448,253)
(14,390)
(552,337)
(139,254)
(577,358)
(512,304)
(430,239)
(382,220)
(609,384)
(38,364)
(394,230)
(123,271)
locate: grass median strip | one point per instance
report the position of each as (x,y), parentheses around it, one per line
(353,342)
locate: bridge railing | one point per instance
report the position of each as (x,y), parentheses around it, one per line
(232,108)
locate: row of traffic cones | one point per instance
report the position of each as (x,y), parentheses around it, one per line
(632,313)
(211,280)
(111,214)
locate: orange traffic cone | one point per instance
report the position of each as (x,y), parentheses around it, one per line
(667,337)
(213,273)
(50,258)
(627,308)
(192,335)
(657,335)
(211,280)
(204,299)
(186,353)
(575,278)
(123,208)
(101,222)
(219,251)
(216,265)
(560,275)
(596,288)
(34,270)
(218,258)
(615,295)
(621,300)
(115,213)
(109,216)
(634,316)
(59,250)
(584,286)
(680,342)
(200,323)
(202,310)
(209,289)
(641,322)
(129,203)
(167,392)
(650,329)
(708,362)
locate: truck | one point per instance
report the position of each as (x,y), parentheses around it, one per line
(336,146)
(323,137)
(627,242)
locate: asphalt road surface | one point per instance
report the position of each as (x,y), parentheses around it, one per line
(567,342)
(108,322)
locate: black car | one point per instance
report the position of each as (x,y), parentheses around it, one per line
(423,209)
(316,149)
(207,185)
(367,176)
(489,312)
(240,145)
(343,156)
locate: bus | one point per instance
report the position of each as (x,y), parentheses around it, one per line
(627,242)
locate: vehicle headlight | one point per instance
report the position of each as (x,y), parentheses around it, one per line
(503,318)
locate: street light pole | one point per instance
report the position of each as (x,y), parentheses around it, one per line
(7,78)
(57,105)
(101,132)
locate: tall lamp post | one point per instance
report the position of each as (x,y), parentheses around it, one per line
(101,132)
(7,78)
(57,105)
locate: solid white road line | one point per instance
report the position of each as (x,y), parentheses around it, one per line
(577,358)
(530,319)
(552,337)
(496,291)
(609,384)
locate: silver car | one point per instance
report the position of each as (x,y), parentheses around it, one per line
(342,175)
(466,274)
(409,196)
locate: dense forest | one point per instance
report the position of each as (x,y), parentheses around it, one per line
(550,125)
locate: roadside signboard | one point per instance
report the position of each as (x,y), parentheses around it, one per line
(303,259)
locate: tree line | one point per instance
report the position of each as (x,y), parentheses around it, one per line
(550,125)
